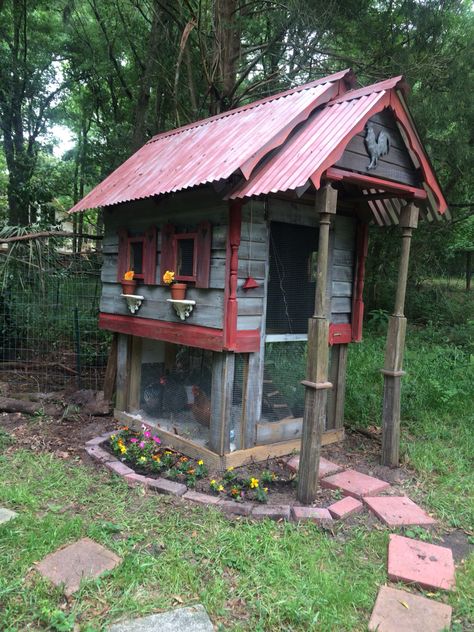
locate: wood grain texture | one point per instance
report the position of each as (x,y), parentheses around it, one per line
(336,396)
(221,401)
(123,371)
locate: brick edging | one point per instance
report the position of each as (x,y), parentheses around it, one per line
(255,511)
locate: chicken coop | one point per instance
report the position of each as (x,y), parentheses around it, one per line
(262,213)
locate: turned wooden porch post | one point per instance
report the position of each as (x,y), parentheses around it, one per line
(392,370)
(316,382)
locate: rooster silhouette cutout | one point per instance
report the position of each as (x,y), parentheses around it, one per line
(376,147)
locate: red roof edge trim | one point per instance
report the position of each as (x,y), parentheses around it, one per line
(337,152)
(389,84)
(404,190)
(249,165)
(404,119)
(347,76)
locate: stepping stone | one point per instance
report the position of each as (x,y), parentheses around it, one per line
(345,507)
(6,514)
(325,467)
(355,484)
(413,562)
(397,610)
(398,511)
(84,559)
(191,619)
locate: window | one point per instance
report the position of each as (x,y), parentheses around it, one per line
(135,256)
(186,260)
(137,253)
(188,254)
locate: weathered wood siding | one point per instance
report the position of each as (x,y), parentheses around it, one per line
(341,270)
(253,261)
(396,165)
(185,210)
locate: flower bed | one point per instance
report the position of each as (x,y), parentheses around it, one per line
(144,452)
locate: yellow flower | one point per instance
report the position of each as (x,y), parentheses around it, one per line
(265,489)
(229,469)
(112,437)
(200,462)
(253,483)
(168,452)
(213,482)
(168,277)
(123,449)
(142,459)
(128,276)
(220,488)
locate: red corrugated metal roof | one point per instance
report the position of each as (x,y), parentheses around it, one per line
(307,127)
(214,148)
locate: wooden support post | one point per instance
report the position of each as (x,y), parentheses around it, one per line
(393,367)
(221,402)
(135,374)
(111,370)
(123,371)
(336,396)
(318,358)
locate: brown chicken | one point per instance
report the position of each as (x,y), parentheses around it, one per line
(201,408)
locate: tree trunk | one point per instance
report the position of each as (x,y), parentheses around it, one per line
(139,135)
(226,52)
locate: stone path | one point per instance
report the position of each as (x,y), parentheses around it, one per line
(410,561)
(84,559)
(6,515)
(398,610)
(191,619)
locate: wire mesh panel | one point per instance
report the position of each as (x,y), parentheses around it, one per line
(292,277)
(175,388)
(283,393)
(48,320)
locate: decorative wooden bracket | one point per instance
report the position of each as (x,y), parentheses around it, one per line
(134,302)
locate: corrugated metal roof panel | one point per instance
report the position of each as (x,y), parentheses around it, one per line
(305,154)
(212,149)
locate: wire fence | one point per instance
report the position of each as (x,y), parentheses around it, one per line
(49,338)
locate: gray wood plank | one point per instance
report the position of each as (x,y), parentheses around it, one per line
(340,288)
(341,305)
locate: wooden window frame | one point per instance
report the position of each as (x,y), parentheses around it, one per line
(176,239)
(148,239)
(201,257)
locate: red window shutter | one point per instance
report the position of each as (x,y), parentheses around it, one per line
(149,256)
(203,250)
(122,262)
(168,252)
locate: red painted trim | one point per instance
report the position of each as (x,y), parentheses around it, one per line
(149,256)
(122,261)
(203,247)
(358,303)
(231,272)
(416,146)
(403,190)
(247,341)
(178,333)
(167,256)
(340,333)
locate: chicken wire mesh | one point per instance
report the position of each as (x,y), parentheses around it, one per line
(49,338)
(175,391)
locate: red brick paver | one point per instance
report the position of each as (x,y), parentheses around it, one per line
(345,507)
(273,512)
(313,514)
(355,484)
(398,610)
(398,511)
(201,499)
(428,565)
(325,467)
(84,559)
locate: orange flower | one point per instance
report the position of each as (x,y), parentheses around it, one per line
(168,277)
(128,276)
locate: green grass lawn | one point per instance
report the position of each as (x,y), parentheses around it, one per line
(257,577)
